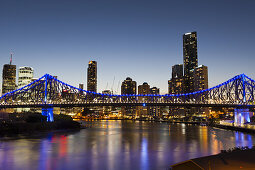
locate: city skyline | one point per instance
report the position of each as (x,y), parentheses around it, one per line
(144,51)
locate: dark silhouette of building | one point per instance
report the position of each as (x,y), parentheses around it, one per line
(154,110)
(176,83)
(128,86)
(190,60)
(143,89)
(81,86)
(177,71)
(9,78)
(92,76)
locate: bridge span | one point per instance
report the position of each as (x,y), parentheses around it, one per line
(48,92)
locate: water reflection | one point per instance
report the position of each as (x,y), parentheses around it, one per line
(119,145)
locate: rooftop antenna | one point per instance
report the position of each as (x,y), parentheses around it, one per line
(11,57)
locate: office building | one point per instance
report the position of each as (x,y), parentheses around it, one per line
(176,83)
(200,74)
(190,60)
(26,75)
(128,86)
(143,89)
(92,76)
(9,78)
(154,111)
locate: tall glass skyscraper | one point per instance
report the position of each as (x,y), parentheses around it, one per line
(92,76)
(190,60)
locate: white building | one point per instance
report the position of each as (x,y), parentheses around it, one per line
(26,75)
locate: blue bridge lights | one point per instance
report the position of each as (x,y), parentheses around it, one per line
(238,91)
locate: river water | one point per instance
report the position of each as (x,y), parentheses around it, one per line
(117,145)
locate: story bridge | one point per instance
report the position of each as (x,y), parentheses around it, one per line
(48,92)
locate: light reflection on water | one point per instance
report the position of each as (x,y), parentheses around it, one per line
(119,145)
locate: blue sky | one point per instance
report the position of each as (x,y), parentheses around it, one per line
(141,39)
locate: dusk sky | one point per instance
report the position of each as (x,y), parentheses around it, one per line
(140,39)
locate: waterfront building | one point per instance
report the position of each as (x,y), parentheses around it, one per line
(106,92)
(81,86)
(9,78)
(143,89)
(128,86)
(176,83)
(177,71)
(200,75)
(190,60)
(154,111)
(92,76)
(200,78)
(26,75)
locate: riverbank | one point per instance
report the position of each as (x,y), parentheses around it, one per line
(235,128)
(25,123)
(237,158)
(20,127)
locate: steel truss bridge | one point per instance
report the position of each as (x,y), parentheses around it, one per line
(48,92)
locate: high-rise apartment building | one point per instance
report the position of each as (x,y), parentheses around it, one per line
(154,110)
(200,74)
(143,89)
(26,75)
(92,76)
(190,60)
(176,83)
(9,78)
(128,86)
(177,71)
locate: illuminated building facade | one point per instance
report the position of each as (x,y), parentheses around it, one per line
(106,92)
(176,84)
(9,78)
(200,78)
(143,89)
(92,76)
(154,110)
(26,75)
(128,86)
(190,60)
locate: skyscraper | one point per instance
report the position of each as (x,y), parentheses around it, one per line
(176,83)
(177,71)
(26,74)
(128,86)
(9,77)
(189,59)
(154,110)
(143,89)
(200,78)
(92,76)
